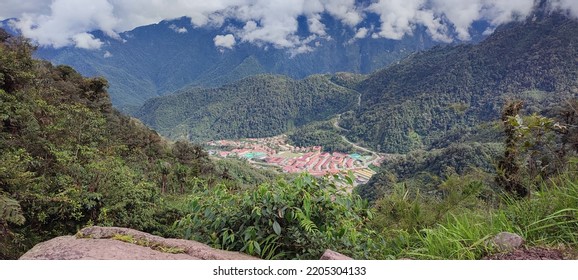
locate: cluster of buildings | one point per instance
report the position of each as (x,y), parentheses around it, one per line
(274,151)
(316,163)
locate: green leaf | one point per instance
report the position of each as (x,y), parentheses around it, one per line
(10,211)
(277,228)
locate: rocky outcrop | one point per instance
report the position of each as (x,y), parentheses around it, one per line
(332,255)
(113,243)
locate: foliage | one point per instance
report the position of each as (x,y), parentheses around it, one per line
(319,134)
(242,174)
(258,106)
(299,219)
(155,61)
(421,227)
(424,170)
(446,89)
(69,159)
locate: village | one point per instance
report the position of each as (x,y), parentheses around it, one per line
(276,153)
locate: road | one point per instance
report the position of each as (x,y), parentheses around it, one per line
(336,125)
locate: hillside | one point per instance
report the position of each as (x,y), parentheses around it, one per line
(156,60)
(446,90)
(69,159)
(258,106)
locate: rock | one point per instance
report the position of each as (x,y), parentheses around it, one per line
(506,241)
(113,243)
(332,255)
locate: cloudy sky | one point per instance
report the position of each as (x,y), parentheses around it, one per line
(61,23)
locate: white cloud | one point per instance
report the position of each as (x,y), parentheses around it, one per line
(225,41)
(361,33)
(68,22)
(315,25)
(397,16)
(177,29)
(570,6)
(107,54)
(86,41)
(345,10)
(15,8)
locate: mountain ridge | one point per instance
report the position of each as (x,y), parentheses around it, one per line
(416,102)
(436,91)
(155,60)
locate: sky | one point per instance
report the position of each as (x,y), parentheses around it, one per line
(60,23)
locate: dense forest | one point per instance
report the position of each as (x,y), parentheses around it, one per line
(417,103)
(434,93)
(70,160)
(155,60)
(258,106)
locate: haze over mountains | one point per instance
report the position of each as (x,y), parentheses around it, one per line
(415,103)
(409,105)
(465,140)
(157,59)
(223,41)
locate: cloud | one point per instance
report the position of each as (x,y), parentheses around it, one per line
(107,54)
(225,41)
(15,8)
(69,22)
(570,6)
(400,17)
(361,33)
(267,22)
(86,41)
(315,25)
(177,29)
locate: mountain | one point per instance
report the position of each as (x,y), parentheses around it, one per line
(449,90)
(258,106)
(155,60)
(428,100)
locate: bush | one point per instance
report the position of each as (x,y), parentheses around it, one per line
(296,220)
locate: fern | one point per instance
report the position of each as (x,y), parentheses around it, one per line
(10,211)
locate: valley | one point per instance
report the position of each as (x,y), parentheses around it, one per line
(415,151)
(275,153)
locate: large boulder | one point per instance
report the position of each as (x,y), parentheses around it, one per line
(113,243)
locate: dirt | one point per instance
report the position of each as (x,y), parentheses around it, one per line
(532,253)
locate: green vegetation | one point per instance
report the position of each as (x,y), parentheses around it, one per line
(70,160)
(459,226)
(448,89)
(259,106)
(297,219)
(425,170)
(154,60)
(146,243)
(319,134)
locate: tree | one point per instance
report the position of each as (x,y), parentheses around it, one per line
(509,176)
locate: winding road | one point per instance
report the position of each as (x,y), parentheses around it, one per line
(336,125)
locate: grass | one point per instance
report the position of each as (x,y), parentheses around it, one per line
(548,219)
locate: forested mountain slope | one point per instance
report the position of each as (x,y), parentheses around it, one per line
(155,60)
(68,159)
(258,106)
(432,94)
